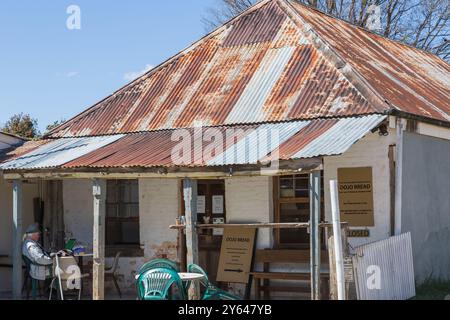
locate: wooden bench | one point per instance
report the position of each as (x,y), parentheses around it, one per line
(268,257)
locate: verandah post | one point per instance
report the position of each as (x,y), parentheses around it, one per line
(190,204)
(315,250)
(98,272)
(17,239)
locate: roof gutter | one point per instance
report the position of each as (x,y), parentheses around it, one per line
(411,116)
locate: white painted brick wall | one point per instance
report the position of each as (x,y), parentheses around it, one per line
(249,199)
(78,210)
(30,191)
(158,208)
(371,151)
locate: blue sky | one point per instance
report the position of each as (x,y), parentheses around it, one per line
(52,72)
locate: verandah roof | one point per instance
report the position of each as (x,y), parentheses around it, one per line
(253,144)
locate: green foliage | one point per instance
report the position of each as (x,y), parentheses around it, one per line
(22,125)
(53,125)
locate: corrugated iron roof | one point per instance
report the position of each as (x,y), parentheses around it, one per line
(55,153)
(412,80)
(26,147)
(259,67)
(203,146)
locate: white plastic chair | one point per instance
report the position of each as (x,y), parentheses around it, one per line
(66,273)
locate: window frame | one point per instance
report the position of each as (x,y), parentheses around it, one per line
(278,201)
(127,249)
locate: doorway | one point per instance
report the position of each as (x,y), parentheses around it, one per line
(211,209)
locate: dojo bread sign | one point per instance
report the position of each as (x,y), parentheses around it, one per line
(356,196)
(236,255)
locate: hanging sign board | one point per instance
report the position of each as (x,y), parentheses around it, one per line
(356,196)
(236,255)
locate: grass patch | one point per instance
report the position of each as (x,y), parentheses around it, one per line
(433,290)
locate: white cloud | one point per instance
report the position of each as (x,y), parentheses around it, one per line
(72,74)
(130,76)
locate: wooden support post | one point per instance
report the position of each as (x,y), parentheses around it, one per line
(190,203)
(315,250)
(332,265)
(17,239)
(98,281)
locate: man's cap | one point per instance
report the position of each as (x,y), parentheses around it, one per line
(33,228)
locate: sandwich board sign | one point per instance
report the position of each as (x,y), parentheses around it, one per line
(236,255)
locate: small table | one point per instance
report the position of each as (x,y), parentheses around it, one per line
(192,288)
(189,276)
(80,257)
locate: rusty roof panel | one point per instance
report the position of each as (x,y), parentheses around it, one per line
(257,27)
(412,80)
(258,68)
(261,67)
(200,147)
(237,145)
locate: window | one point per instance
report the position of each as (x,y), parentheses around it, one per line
(122,213)
(210,203)
(291,200)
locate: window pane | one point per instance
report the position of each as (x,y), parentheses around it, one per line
(124,192)
(134,210)
(302,183)
(294,212)
(130,232)
(135,192)
(113,232)
(122,209)
(287,187)
(111,191)
(111,210)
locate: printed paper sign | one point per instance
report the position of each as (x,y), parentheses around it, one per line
(201,204)
(217,204)
(356,196)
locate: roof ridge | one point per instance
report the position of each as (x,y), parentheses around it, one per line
(367,30)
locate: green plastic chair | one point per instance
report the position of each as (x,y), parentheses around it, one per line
(211,292)
(156,284)
(156,263)
(159,263)
(34,282)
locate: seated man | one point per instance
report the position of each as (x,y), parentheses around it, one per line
(41,261)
